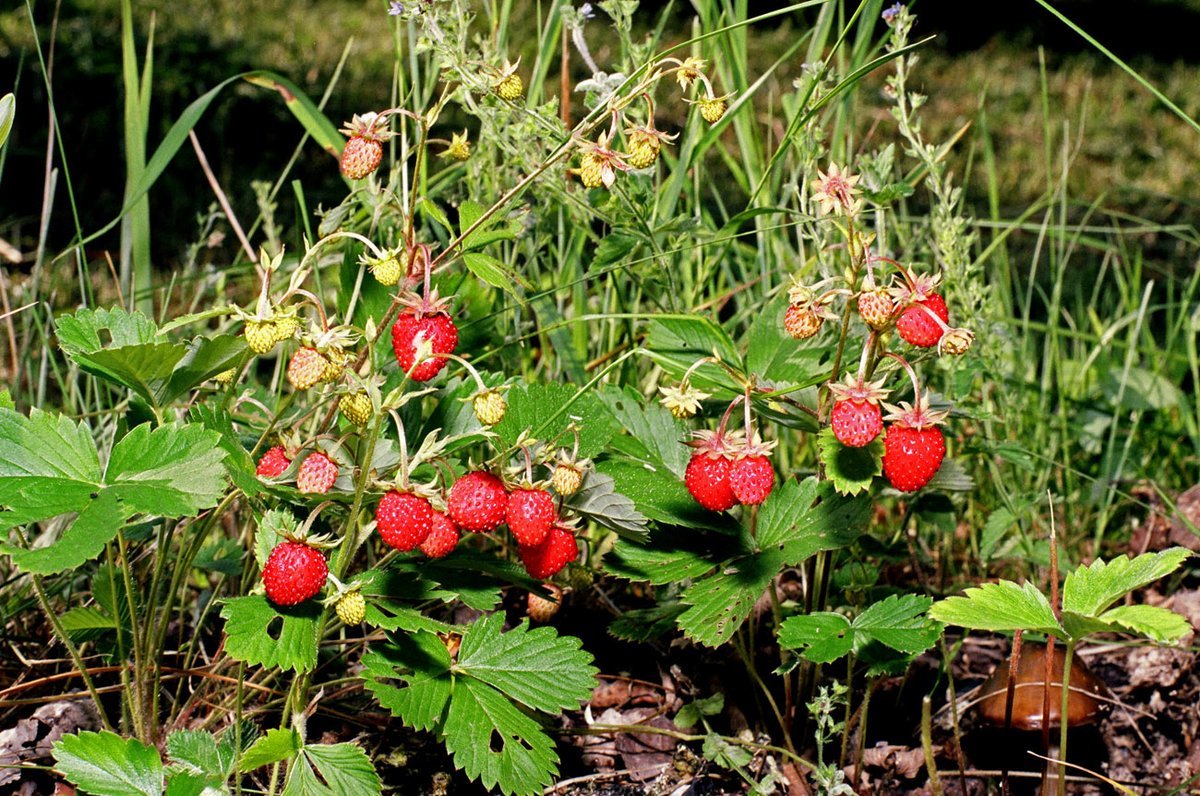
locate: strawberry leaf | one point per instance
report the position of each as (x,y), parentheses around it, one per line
(105,764)
(338,769)
(470,701)
(258,633)
(806,517)
(273,747)
(1147,620)
(49,466)
(850,469)
(545,411)
(999,606)
(1090,589)
(599,501)
(722,601)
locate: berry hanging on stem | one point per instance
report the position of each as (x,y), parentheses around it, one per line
(913,446)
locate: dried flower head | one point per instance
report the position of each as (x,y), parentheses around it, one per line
(690,71)
(459,147)
(599,163)
(835,189)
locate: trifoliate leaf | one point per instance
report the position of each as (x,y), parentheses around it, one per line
(259,633)
(105,764)
(49,466)
(1090,589)
(599,501)
(689,715)
(276,745)
(720,751)
(545,411)
(491,739)
(898,622)
(999,606)
(537,668)
(850,469)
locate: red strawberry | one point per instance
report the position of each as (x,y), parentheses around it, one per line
(918,327)
(913,447)
(707,474)
(856,418)
(529,514)
(542,609)
(555,552)
(752,478)
(273,463)
(425,321)
(404,519)
(442,539)
(477,502)
(317,473)
(294,572)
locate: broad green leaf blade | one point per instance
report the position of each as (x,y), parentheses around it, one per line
(721,602)
(259,634)
(8,112)
(494,742)
(1151,621)
(273,747)
(803,518)
(204,358)
(899,622)
(302,780)
(95,525)
(345,768)
(676,342)
(188,783)
(238,463)
(105,764)
(673,554)
(80,333)
(850,469)
(1089,590)
(197,752)
(823,637)
(410,676)
(545,411)
(662,496)
(492,271)
(134,355)
(997,607)
(537,668)
(652,433)
(599,501)
(48,466)
(646,624)
(172,471)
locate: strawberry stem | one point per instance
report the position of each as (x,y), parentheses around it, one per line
(912,375)
(403,445)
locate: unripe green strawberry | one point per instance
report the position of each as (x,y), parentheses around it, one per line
(567,476)
(591,170)
(801,321)
(489,407)
(510,87)
(225,377)
(579,577)
(261,336)
(712,108)
(356,406)
(876,308)
(644,147)
(306,368)
(351,608)
(286,327)
(542,609)
(317,474)
(335,364)
(390,269)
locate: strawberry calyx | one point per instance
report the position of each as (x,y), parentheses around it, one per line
(913,288)
(368,126)
(857,389)
(717,444)
(917,417)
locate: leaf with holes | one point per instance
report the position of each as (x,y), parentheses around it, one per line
(260,634)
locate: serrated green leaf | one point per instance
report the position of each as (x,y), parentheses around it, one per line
(238,464)
(272,528)
(850,469)
(998,607)
(662,496)
(599,501)
(86,623)
(1151,621)
(899,622)
(495,743)
(49,466)
(491,270)
(6,401)
(951,477)
(1090,589)
(719,604)
(276,745)
(223,556)
(203,358)
(646,624)
(803,518)
(720,751)
(344,768)
(258,633)
(421,665)
(105,764)
(188,783)
(198,752)
(824,637)
(676,343)
(651,430)
(673,554)
(80,333)
(538,668)
(774,356)
(387,615)
(690,714)
(545,411)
